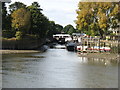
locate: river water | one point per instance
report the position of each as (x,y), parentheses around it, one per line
(58,68)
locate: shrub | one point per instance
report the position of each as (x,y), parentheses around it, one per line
(19,35)
(8,33)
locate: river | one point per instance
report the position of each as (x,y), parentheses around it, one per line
(58,68)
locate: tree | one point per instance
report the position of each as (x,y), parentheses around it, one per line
(21,20)
(16,5)
(114,16)
(59,28)
(39,22)
(69,29)
(95,17)
(4,16)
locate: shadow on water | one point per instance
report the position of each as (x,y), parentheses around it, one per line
(58,68)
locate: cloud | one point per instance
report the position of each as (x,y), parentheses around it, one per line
(60,11)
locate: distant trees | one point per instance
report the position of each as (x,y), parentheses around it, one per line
(54,28)
(95,18)
(69,29)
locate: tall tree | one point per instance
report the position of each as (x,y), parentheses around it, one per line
(39,22)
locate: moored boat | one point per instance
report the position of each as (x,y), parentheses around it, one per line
(100,48)
(82,48)
(71,46)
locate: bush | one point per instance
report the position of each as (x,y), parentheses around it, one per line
(8,33)
(31,37)
(115,49)
(19,35)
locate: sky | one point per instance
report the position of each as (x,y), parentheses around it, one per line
(63,12)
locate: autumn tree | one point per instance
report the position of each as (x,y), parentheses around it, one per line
(95,18)
(21,20)
(114,16)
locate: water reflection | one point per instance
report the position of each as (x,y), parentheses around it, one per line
(98,61)
(58,68)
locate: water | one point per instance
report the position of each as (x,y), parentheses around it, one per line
(58,68)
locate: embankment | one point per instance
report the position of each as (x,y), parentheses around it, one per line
(25,44)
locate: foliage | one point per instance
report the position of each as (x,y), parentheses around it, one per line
(95,18)
(4,16)
(8,33)
(69,29)
(27,22)
(19,35)
(16,5)
(54,28)
(39,22)
(21,20)
(58,28)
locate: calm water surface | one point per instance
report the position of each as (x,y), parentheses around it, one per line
(58,68)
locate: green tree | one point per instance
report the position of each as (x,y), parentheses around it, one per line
(69,29)
(39,22)
(4,16)
(59,28)
(16,5)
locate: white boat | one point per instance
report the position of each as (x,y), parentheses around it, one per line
(82,48)
(95,48)
(100,48)
(68,39)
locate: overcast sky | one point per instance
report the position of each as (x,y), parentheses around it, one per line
(61,11)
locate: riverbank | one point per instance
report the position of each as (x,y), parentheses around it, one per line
(18,51)
(109,56)
(24,44)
